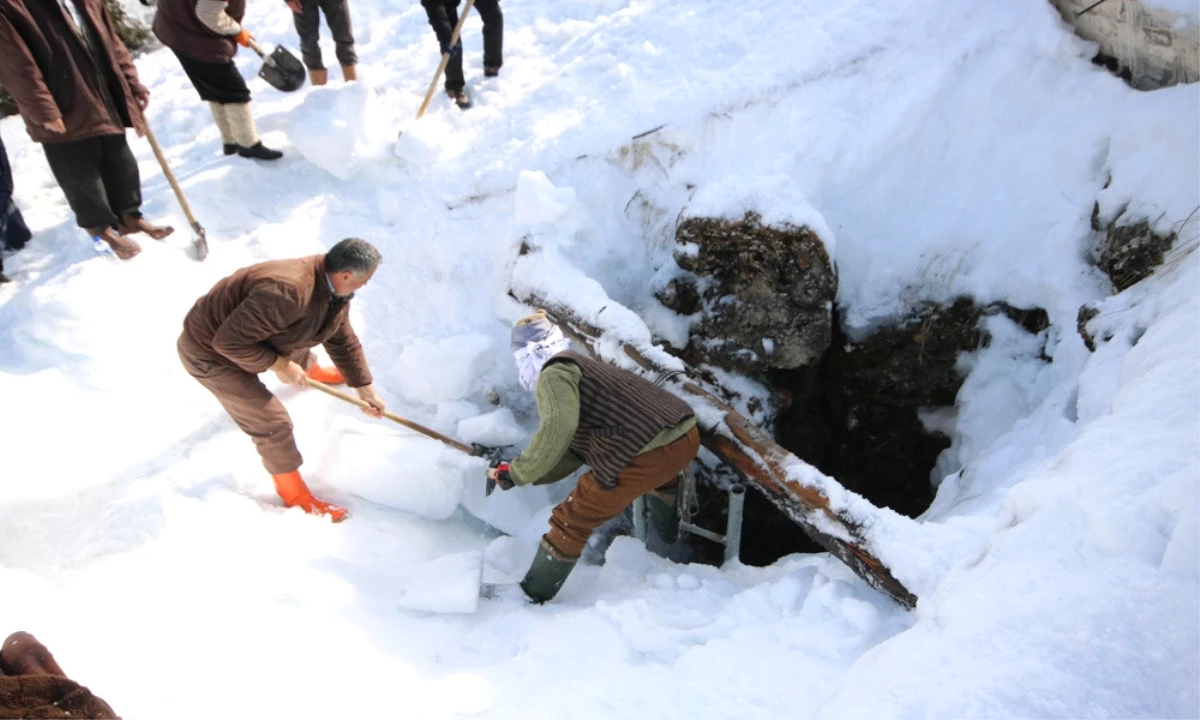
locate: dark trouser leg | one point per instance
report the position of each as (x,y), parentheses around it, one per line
(122,181)
(14,233)
(77,167)
(589,505)
(216,82)
(254,408)
(308,27)
(337,17)
(443,16)
(493,32)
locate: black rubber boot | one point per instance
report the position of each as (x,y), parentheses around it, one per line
(547,574)
(258,151)
(663,504)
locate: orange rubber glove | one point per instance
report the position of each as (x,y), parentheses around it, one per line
(243,38)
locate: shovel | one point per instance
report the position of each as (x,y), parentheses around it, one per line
(280,69)
(199,240)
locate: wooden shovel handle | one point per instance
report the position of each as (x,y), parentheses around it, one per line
(393,417)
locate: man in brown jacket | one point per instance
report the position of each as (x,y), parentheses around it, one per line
(268,317)
(204,35)
(77,89)
(636,438)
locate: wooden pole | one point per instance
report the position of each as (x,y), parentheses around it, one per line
(393,417)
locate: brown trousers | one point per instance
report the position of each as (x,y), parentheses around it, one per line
(252,406)
(589,506)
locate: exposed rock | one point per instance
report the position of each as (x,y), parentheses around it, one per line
(1086,313)
(765,294)
(1132,252)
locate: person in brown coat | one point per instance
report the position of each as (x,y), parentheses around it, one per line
(636,438)
(268,317)
(204,35)
(77,89)
(32,685)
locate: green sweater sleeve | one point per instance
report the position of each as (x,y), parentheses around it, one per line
(548,453)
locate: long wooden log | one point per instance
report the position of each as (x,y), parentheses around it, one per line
(800,491)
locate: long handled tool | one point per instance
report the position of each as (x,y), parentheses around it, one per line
(200,240)
(445,58)
(473,449)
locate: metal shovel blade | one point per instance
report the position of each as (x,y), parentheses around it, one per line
(282,70)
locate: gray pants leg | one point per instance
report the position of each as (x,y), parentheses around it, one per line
(308,27)
(337,17)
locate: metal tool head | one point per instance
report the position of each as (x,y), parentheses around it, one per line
(282,70)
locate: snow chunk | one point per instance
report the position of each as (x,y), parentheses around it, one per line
(539,201)
(446,370)
(449,584)
(409,473)
(332,130)
(495,428)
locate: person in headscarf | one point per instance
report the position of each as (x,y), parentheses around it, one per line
(634,437)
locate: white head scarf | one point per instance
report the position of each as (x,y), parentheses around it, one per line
(534,341)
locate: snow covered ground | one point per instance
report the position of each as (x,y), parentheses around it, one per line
(947,148)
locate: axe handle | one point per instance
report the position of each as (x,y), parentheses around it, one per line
(393,417)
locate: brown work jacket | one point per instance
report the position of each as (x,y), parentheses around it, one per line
(53,73)
(176,25)
(49,697)
(279,307)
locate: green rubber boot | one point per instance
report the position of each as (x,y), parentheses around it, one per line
(663,504)
(548,572)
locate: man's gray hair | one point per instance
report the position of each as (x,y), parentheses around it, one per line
(354,254)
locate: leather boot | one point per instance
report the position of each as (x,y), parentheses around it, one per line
(295,493)
(241,122)
(547,573)
(318,76)
(349,73)
(22,654)
(327,375)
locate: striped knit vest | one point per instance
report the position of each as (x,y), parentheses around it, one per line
(619,412)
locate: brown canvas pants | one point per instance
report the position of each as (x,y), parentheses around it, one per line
(589,506)
(252,406)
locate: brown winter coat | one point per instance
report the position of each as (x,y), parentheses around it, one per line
(280,307)
(50,73)
(49,696)
(176,25)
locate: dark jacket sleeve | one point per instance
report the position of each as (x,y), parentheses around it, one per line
(347,354)
(21,76)
(267,310)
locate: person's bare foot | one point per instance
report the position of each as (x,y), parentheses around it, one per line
(123,247)
(133,223)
